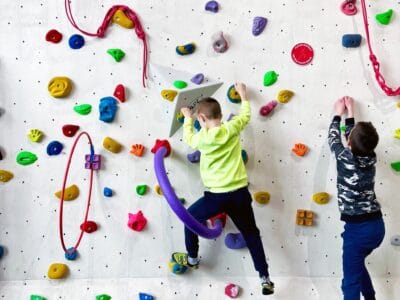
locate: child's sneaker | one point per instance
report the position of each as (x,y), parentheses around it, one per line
(267,286)
(183,260)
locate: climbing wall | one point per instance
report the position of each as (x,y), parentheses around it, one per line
(305,261)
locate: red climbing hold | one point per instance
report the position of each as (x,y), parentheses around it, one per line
(53,36)
(69,130)
(221,217)
(302,54)
(162,143)
(119,93)
(137,221)
(89,226)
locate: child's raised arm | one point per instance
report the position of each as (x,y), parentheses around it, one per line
(334,138)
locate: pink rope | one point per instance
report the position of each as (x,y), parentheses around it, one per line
(106,21)
(375,64)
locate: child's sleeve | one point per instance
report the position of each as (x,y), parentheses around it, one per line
(238,122)
(334,138)
(349,127)
(189,137)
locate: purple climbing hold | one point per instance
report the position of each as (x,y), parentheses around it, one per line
(198,78)
(212,6)
(219,43)
(194,157)
(235,241)
(230,117)
(259,24)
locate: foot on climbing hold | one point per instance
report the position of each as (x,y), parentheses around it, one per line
(35,135)
(119,92)
(300,149)
(137,150)
(26,158)
(351,40)
(137,221)
(284,96)
(212,6)
(198,78)
(122,19)
(116,53)
(57,271)
(111,145)
(267,109)
(186,49)
(384,18)
(235,241)
(233,95)
(194,157)
(70,193)
(71,253)
(54,148)
(53,36)
(88,226)
(70,130)
(60,87)
(159,144)
(348,7)
(76,41)
(180,84)
(5,176)
(396,166)
(232,290)
(107,109)
(321,198)
(144,296)
(219,43)
(103,297)
(270,78)
(262,197)
(259,24)
(141,189)
(169,94)
(83,109)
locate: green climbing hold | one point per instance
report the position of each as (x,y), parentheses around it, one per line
(384,18)
(396,166)
(83,109)
(343,128)
(180,84)
(141,189)
(270,78)
(118,54)
(37,297)
(103,297)
(26,158)
(182,200)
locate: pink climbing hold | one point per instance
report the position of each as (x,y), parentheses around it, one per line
(159,144)
(232,290)
(89,226)
(69,130)
(348,7)
(119,93)
(267,109)
(137,221)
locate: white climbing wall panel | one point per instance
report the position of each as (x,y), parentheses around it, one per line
(304,262)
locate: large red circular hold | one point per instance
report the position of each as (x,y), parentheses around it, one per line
(53,36)
(302,53)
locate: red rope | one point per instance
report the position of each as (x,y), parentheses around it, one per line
(62,196)
(375,64)
(106,21)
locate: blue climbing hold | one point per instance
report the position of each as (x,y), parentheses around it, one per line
(197,125)
(212,6)
(198,78)
(76,41)
(108,109)
(144,296)
(245,157)
(1,251)
(71,254)
(54,148)
(235,241)
(194,157)
(351,40)
(107,192)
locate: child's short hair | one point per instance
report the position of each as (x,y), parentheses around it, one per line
(210,108)
(363,139)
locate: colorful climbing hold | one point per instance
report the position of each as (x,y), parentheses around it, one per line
(57,271)
(233,95)
(35,135)
(88,226)
(54,148)
(176,268)
(219,43)
(245,157)
(194,157)
(26,158)
(212,6)
(300,149)
(348,7)
(185,49)
(397,133)
(122,19)
(321,198)
(93,161)
(351,40)
(5,175)
(259,24)
(218,218)
(107,109)
(182,200)
(141,189)
(161,143)
(395,240)
(103,297)
(270,78)
(158,190)
(169,94)
(144,296)
(302,53)
(304,217)
(53,36)
(180,117)
(107,192)
(198,78)
(262,197)
(60,87)
(83,109)
(268,108)
(343,128)
(116,53)
(385,17)
(70,193)
(137,221)
(137,149)
(37,297)
(180,84)
(398,104)
(284,96)
(232,290)
(70,130)
(197,125)
(235,241)
(71,253)
(111,145)
(119,92)
(76,41)
(396,166)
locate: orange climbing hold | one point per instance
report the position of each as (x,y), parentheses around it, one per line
(304,217)
(137,150)
(300,149)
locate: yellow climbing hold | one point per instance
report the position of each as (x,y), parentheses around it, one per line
(397,133)
(5,176)
(398,104)
(262,197)
(60,87)
(169,94)
(321,198)
(158,190)
(111,145)
(57,271)
(284,96)
(121,19)
(35,135)
(70,193)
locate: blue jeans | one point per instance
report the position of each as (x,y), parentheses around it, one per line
(359,240)
(237,205)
